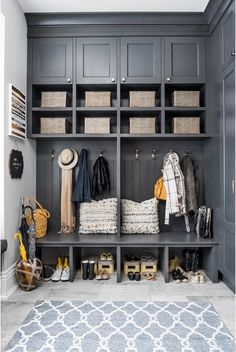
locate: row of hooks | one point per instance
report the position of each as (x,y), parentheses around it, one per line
(137,151)
(154,153)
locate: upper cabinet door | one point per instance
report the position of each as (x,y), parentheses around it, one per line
(184,60)
(228,37)
(52,61)
(140,60)
(96,60)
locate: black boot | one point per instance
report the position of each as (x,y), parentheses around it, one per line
(85,269)
(91,265)
(186,260)
(194,260)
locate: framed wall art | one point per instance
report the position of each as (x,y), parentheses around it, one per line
(17,112)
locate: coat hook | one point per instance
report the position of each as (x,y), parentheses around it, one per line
(101,152)
(188,151)
(137,154)
(171,151)
(154,152)
(52,155)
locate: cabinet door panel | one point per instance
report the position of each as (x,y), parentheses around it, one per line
(141,60)
(52,60)
(96,60)
(228,112)
(228,37)
(184,60)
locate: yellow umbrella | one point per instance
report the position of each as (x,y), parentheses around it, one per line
(18,236)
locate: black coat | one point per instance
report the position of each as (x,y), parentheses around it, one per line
(82,192)
(101,177)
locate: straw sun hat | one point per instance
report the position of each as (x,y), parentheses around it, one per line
(68,159)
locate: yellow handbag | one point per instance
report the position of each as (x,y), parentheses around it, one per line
(159,189)
(41,217)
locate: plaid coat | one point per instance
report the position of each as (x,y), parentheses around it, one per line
(175,189)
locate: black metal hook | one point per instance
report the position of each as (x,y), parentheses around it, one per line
(52,155)
(137,154)
(101,152)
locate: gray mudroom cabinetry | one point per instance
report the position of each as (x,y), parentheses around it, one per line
(184,59)
(160,53)
(96,60)
(141,60)
(52,61)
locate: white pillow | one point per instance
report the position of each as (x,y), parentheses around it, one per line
(140,217)
(98,216)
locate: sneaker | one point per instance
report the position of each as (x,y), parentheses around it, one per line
(57,274)
(65,274)
(47,272)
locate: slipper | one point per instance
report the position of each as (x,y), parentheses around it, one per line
(99,275)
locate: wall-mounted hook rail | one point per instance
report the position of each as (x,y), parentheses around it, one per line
(154,153)
(137,154)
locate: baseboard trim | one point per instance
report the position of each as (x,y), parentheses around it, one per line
(8,282)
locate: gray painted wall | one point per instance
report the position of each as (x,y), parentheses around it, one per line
(15,73)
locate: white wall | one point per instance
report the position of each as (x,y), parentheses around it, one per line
(16,73)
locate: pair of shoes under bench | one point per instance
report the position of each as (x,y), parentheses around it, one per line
(62,273)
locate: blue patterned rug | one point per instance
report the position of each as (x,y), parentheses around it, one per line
(74,326)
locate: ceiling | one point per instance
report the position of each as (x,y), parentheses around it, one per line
(113,5)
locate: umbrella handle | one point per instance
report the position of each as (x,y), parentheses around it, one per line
(18,236)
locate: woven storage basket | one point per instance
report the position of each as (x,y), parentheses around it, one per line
(54,125)
(149,266)
(142,99)
(142,125)
(97,125)
(41,217)
(54,99)
(28,273)
(108,265)
(186,98)
(98,99)
(131,266)
(186,125)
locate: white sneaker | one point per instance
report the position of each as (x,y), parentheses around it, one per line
(65,274)
(57,274)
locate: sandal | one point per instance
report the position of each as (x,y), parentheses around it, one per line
(103,256)
(99,275)
(149,276)
(105,275)
(147,257)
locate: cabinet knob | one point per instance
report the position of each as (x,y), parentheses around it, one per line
(168,79)
(69,80)
(113,80)
(233,53)
(123,79)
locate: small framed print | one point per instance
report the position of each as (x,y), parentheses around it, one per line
(17,112)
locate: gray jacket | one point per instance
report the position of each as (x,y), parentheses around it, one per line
(191,184)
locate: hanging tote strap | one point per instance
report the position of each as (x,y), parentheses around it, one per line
(41,217)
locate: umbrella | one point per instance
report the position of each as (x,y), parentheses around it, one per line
(24,228)
(31,235)
(23,255)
